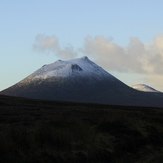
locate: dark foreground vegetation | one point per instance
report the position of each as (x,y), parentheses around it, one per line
(47,132)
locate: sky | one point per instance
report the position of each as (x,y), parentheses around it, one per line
(125,37)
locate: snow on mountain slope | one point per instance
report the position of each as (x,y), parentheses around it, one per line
(80,67)
(80,80)
(73,80)
(144,88)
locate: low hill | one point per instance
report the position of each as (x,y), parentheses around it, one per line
(144,88)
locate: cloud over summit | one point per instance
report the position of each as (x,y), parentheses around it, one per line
(136,57)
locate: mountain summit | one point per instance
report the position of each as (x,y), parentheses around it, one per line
(80,80)
(144,87)
(81,67)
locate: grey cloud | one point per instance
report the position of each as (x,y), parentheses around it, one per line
(114,56)
(51,45)
(136,57)
(45,43)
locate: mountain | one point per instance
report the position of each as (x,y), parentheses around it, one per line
(80,80)
(144,87)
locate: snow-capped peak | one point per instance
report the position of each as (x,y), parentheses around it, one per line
(75,67)
(144,87)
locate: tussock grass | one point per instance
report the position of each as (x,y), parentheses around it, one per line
(38,132)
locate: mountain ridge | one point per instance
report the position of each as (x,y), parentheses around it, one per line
(80,80)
